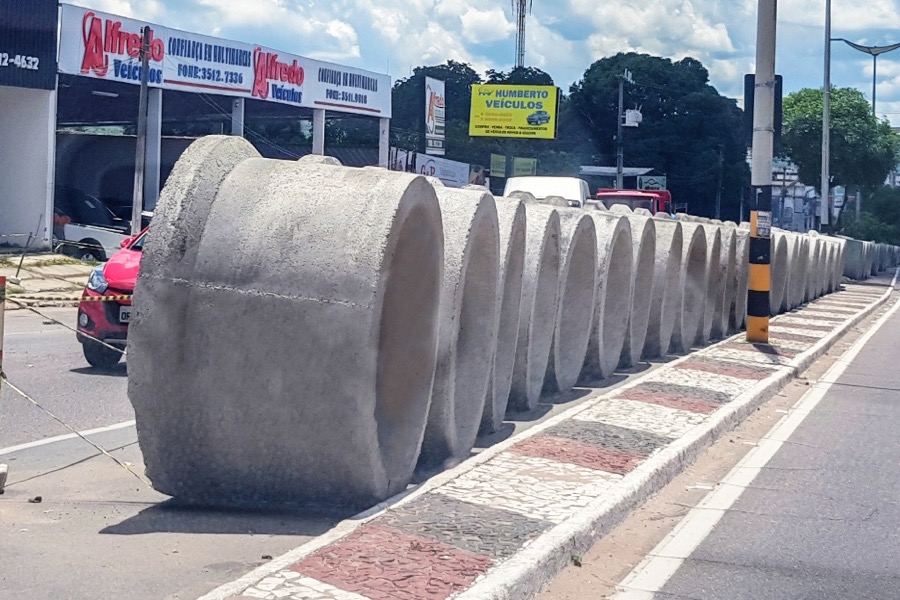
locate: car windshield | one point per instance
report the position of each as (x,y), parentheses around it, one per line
(138,245)
(84,209)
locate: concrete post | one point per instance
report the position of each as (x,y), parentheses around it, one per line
(384,141)
(237,117)
(153,156)
(318,145)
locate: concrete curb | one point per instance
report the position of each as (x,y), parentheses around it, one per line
(526,572)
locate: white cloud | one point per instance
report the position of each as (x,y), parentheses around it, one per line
(485,26)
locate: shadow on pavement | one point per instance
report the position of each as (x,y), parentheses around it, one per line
(172,517)
(120,370)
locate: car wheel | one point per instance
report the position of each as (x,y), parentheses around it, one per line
(100,356)
(90,251)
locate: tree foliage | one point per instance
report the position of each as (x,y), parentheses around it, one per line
(863,148)
(879,220)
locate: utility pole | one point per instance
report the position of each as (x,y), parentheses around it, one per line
(140,153)
(620,150)
(825,184)
(719,185)
(760,274)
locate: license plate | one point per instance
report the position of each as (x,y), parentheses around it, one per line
(124,314)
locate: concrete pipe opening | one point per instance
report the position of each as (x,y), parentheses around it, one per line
(643,246)
(714,303)
(537,315)
(667,298)
(694,274)
(467,334)
(812,268)
(615,260)
(511,220)
(742,256)
(779,272)
(726,272)
(577,294)
(314,292)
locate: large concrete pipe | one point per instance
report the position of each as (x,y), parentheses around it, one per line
(303,359)
(643,246)
(614,268)
(779,271)
(537,314)
(467,334)
(871,267)
(812,266)
(667,297)
(840,246)
(793,292)
(577,296)
(742,273)
(854,258)
(727,267)
(511,220)
(790,269)
(694,276)
(714,303)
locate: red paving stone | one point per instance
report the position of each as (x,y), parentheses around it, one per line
(387,564)
(725,368)
(676,401)
(761,348)
(578,453)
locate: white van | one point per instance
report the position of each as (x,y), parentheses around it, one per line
(573,189)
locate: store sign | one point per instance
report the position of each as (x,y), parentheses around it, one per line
(28,43)
(523,167)
(514,111)
(450,172)
(104,46)
(651,182)
(435,118)
(498,165)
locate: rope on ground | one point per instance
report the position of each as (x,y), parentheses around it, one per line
(138,476)
(67,326)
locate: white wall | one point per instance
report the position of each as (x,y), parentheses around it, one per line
(27,151)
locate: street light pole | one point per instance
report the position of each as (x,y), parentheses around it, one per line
(875,51)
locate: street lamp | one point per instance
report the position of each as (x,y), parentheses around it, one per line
(875,51)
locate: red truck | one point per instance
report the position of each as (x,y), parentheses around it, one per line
(656,201)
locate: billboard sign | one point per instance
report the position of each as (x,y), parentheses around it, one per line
(514,111)
(28,43)
(104,46)
(435,118)
(651,182)
(450,172)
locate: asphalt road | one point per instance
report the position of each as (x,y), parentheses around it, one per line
(45,361)
(821,519)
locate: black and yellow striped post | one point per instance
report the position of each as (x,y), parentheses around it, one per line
(760,272)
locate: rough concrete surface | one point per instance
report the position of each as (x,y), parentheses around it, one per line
(467,334)
(727,267)
(511,220)
(540,288)
(742,255)
(694,275)
(667,297)
(320,292)
(576,298)
(643,245)
(714,301)
(614,273)
(780,270)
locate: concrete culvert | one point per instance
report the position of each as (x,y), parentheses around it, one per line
(511,219)
(557,201)
(467,334)
(614,274)
(667,296)
(727,268)
(313,292)
(643,245)
(840,246)
(537,314)
(318,159)
(742,270)
(577,293)
(694,275)
(825,259)
(790,270)
(714,304)
(812,271)
(779,271)
(798,279)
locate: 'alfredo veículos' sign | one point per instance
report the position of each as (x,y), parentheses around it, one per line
(104,46)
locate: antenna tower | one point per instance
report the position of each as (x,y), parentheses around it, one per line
(521,8)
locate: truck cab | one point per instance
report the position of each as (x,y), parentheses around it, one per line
(656,201)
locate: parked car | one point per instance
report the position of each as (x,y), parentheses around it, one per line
(86,228)
(539,117)
(107,319)
(572,189)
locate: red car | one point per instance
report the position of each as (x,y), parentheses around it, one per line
(104,313)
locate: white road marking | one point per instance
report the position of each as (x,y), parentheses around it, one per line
(660,565)
(67,436)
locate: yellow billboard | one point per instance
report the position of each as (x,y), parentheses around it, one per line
(514,111)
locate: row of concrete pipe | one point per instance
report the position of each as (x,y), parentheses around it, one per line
(308,332)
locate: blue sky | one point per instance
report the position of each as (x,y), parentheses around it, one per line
(563,36)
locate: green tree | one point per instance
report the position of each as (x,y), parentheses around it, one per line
(686,123)
(879,220)
(863,148)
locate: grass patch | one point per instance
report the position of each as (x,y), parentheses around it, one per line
(54,262)
(5,262)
